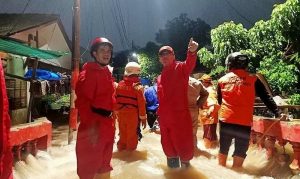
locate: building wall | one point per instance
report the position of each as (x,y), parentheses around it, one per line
(15,66)
(50,37)
(18,116)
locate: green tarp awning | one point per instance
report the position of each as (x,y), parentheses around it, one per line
(13,47)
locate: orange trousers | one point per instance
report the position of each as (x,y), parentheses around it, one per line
(128,123)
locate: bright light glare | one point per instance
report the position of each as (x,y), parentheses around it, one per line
(134,55)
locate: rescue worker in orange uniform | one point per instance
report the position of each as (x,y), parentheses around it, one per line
(197,96)
(95,93)
(131,107)
(209,114)
(6,158)
(236,94)
(174,117)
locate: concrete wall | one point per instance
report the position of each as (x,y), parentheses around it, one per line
(18,116)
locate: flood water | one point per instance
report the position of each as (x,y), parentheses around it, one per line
(149,162)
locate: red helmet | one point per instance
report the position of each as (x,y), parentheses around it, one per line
(98,41)
(165,48)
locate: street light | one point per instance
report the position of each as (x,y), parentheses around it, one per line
(133,57)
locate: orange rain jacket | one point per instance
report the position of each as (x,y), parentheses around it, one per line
(236,94)
(131,106)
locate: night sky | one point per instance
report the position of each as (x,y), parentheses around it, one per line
(124,21)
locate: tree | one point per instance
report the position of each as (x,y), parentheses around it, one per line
(148,60)
(273,47)
(265,40)
(286,18)
(179,30)
(281,76)
(226,38)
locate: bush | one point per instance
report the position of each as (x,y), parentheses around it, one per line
(294,99)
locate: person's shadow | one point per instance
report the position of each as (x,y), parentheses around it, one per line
(130,156)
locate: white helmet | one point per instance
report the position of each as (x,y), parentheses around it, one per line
(132,68)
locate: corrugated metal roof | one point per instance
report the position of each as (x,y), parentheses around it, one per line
(13,23)
(17,48)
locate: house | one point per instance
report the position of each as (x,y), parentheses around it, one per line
(41,36)
(43,31)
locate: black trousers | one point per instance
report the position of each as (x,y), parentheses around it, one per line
(151,118)
(241,136)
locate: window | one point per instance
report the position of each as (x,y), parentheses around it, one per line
(16,93)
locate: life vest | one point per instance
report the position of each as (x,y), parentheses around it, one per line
(126,94)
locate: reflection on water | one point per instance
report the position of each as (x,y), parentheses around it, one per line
(149,162)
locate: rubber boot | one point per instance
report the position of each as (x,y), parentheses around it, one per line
(207,143)
(185,164)
(237,162)
(105,175)
(173,162)
(214,144)
(222,159)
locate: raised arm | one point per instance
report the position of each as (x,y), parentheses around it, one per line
(191,57)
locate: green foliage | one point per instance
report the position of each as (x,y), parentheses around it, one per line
(294,99)
(56,101)
(50,98)
(218,72)
(281,76)
(227,38)
(295,58)
(265,39)
(207,58)
(273,47)
(148,60)
(286,18)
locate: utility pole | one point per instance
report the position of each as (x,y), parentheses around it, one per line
(75,68)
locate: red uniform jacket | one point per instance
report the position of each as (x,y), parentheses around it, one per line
(5,148)
(95,138)
(95,88)
(173,84)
